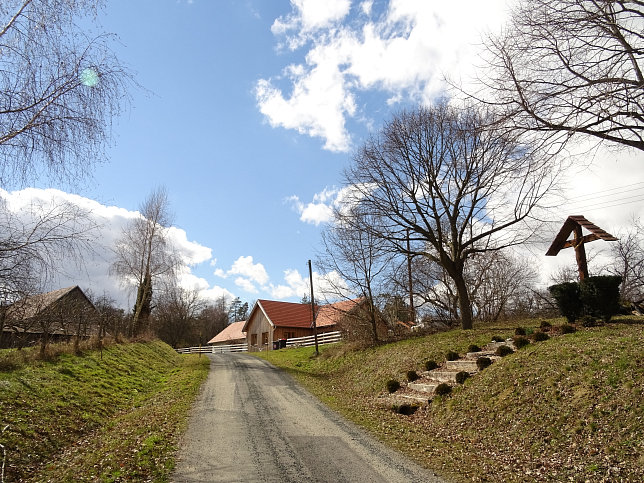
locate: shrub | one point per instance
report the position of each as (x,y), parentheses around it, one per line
(473,348)
(451,356)
(392,385)
(405,409)
(545,325)
(412,376)
(483,362)
(519,331)
(540,336)
(430,365)
(568,299)
(498,338)
(520,341)
(567,329)
(462,376)
(443,389)
(504,350)
(600,296)
(589,321)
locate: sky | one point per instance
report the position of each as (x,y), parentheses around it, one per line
(247,112)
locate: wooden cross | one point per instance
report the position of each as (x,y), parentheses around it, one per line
(575,224)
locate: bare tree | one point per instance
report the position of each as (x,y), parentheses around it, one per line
(359,257)
(176,315)
(572,66)
(628,262)
(60,88)
(144,254)
(34,243)
(455,184)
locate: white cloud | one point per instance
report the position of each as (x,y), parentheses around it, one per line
(405,53)
(320,210)
(324,285)
(94,271)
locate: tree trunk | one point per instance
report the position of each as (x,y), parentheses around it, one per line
(465,307)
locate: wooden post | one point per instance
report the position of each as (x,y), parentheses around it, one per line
(315,329)
(580,253)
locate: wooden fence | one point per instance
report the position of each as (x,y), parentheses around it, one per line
(214,349)
(309,340)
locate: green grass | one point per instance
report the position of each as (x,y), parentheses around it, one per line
(89,418)
(568,407)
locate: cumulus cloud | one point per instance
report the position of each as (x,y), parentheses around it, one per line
(329,285)
(249,274)
(93,273)
(404,51)
(321,208)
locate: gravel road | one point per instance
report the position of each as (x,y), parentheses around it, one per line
(253,423)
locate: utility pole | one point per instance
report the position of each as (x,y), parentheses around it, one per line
(315,329)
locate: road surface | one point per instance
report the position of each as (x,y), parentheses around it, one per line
(253,423)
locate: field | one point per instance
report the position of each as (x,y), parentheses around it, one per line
(569,408)
(115,415)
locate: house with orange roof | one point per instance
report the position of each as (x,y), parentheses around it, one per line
(270,321)
(232,334)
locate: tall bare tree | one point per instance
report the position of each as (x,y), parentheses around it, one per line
(455,184)
(176,316)
(359,257)
(627,255)
(144,255)
(60,87)
(570,67)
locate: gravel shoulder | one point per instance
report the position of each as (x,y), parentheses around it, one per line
(253,423)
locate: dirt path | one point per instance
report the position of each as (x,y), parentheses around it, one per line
(252,423)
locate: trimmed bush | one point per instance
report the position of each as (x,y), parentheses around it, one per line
(462,376)
(405,409)
(392,385)
(443,389)
(520,341)
(540,336)
(504,350)
(451,356)
(568,299)
(473,348)
(412,376)
(567,329)
(483,362)
(589,321)
(498,338)
(545,325)
(600,296)
(430,365)
(519,331)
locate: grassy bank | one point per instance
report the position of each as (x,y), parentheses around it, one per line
(109,416)
(569,407)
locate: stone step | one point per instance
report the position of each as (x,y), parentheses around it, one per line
(422,387)
(475,355)
(413,398)
(443,375)
(461,365)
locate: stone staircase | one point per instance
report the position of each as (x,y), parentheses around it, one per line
(422,389)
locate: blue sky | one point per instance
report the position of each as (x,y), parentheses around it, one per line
(247,114)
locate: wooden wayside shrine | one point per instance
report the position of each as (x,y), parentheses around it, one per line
(574,224)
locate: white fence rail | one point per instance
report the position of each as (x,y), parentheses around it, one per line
(309,340)
(214,349)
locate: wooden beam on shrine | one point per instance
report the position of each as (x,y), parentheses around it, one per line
(573,225)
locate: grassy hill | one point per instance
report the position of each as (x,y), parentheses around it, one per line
(567,408)
(115,415)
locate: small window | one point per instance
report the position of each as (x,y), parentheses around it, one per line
(264,338)
(289,335)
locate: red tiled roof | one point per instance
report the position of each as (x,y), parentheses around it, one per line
(331,314)
(230,333)
(288,314)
